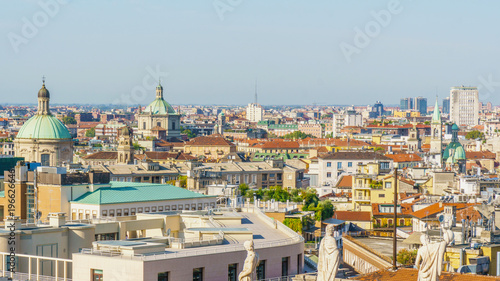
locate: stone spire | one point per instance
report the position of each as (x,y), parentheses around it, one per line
(43,100)
(436,116)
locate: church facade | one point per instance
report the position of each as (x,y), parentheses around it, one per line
(44,138)
(159,119)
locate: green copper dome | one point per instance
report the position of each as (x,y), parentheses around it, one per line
(43,127)
(159,106)
(454,127)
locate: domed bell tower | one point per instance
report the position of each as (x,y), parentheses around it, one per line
(43,100)
(125,147)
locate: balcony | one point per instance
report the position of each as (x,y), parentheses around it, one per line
(362,198)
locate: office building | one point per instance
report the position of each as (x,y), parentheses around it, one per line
(406,104)
(421,105)
(446,105)
(464,106)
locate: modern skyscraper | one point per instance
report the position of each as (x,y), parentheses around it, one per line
(377,110)
(406,103)
(421,105)
(464,106)
(446,105)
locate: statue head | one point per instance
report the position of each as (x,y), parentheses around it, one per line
(424,239)
(329,230)
(248,245)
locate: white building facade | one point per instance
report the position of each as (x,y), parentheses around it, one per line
(464,106)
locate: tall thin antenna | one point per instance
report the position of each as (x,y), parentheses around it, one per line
(255,91)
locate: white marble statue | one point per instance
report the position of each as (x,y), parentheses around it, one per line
(329,256)
(430,256)
(247,274)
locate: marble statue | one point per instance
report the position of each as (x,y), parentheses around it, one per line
(430,256)
(329,256)
(247,274)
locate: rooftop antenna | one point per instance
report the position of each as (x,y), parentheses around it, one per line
(43,79)
(255,91)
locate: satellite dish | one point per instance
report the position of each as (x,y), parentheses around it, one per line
(441,218)
(38,215)
(168,232)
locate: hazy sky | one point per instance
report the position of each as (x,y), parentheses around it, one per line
(211,52)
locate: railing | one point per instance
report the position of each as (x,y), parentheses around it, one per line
(310,263)
(362,245)
(59,264)
(19,276)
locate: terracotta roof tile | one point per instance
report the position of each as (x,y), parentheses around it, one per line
(403,157)
(474,155)
(345,181)
(352,216)
(410,274)
(213,140)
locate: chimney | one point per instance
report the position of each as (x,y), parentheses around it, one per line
(57,219)
(12,223)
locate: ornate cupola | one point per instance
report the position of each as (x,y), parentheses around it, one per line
(159,91)
(43,100)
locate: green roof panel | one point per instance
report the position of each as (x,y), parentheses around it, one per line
(131,192)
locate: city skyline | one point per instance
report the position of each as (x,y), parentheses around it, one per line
(213,55)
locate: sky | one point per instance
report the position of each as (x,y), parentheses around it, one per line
(320,52)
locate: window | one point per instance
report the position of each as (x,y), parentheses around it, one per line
(328,164)
(104,213)
(264,177)
(119,212)
(339,165)
(198,274)
(146,210)
(279,176)
(384,165)
(153,209)
(163,276)
(349,164)
(271,175)
(139,210)
(232,270)
(381,195)
(261,270)
(299,263)
(158,124)
(284,266)
(144,125)
(132,211)
(160,208)
(125,212)
(45,160)
(328,175)
(388,184)
(173,125)
(96,274)
(401,222)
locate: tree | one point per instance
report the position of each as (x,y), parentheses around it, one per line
(474,135)
(244,189)
(189,133)
(297,135)
(406,257)
(69,120)
(324,210)
(137,146)
(329,136)
(293,224)
(90,133)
